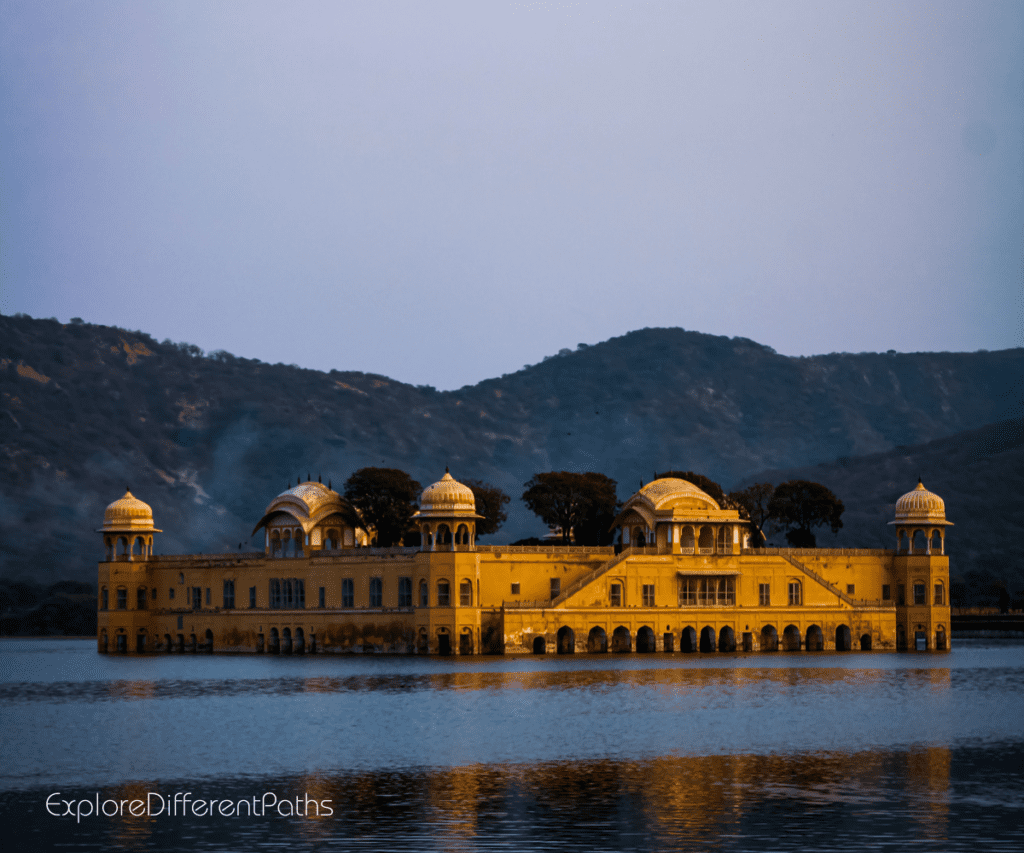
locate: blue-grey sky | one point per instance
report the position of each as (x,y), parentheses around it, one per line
(443,192)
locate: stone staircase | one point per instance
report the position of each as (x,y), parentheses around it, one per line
(575,587)
(829,586)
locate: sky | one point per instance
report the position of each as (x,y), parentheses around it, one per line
(443,192)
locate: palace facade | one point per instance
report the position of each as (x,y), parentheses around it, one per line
(682,580)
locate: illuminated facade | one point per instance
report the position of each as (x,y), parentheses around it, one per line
(682,580)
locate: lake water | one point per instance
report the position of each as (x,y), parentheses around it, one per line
(797,751)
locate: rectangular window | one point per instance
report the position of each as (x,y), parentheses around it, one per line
(466,594)
(140,599)
(556,587)
(648,595)
(687,592)
(122,599)
(764,594)
(252,598)
(938,594)
(275,593)
(323,597)
(444,594)
(919,595)
(300,593)
(424,594)
(154,593)
(849,589)
(794,593)
(405,592)
(288,594)
(229,595)
(181,622)
(197,597)
(376,592)
(170,593)
(886,592)
(706,592)
(207,596)
(901,594)
(348,595)
(515,589)
(104,599)
(615,595)
(726,592)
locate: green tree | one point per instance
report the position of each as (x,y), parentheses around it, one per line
(385,499)
(490,501)
(705,484)
(752,503)
(800,505)
(573,502)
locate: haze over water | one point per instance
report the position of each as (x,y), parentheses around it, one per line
(804,751)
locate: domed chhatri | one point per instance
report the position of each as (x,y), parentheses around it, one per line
(447,497)
(920,505)
(308,516)
(128,513)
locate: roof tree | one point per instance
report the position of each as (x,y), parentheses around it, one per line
(571,502)
(385,499)
(800,505)
(490,501)
(752,503)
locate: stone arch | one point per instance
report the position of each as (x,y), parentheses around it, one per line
(645,640)
(938,593)
(444,593)
(791,639)
(688,639)
(208,645)
(865,642)
(274,646)
(727,640)
(193,643)
(181,644)
(140,641)
(597,640)
(121,641)
(844,640)
(299,647)
(286,641)
(103,641)
(466,641)
(706,540)
(920,544)
(622,641)
(707,639)
(769,639)
(901,638)
(936,546)
(466,593)
(462,535)
(168,643)
(566,640)
(444,538)
(332,539)
(686,539)
(815,641)
(638,538)
(539,645)
(275,544)
(902,542)
(122,548)
(444,641)
(422,641)
(940,638)
(260,640)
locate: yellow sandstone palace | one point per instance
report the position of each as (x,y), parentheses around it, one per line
(682,580)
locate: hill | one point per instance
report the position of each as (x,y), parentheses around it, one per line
(207,440)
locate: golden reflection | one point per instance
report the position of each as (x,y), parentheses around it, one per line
(129,831)
(131,690)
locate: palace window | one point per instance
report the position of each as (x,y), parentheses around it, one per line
(405,592)
(556,587)
(615,595)
(515,589)
(919,593)
(181,622)
(348,595)
(170,593)
(687,592)
(323,597)
(764,594)
(181,577)
(886,592)
(648,595)
(901,593)
(154,594)
(466,594)
(424,594)
(795,593)
(140,598)
(104,599)
(849,589)
(207,596)
(939,598)
(726,592)
(197,597)
(229,595)
(444,594)
(376,592)
(252,598)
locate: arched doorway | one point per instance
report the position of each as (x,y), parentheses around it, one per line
(865,642)
(791,639)
(597,641)
(622,641)
(275,642)
(539,645)
(286,641)
(193,644)
(566,640)
(940,638)
(727,639)
(815,639)
(688,640)
(208,645)
(259,644)
(901,638)
(181,644)
(645,640)
(300,642)
(122,642)
(844,641)
(168,643)
(769,639)
(466,641)
(103,641)
(444,642)
(707,639)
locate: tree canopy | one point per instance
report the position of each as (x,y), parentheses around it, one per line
(490,501)
(800,505)
(752,503)
(581,503)
(385,499)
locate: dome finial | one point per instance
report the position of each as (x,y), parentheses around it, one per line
(446,469)
(319,478)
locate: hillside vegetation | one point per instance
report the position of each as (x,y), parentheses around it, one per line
(209,440)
